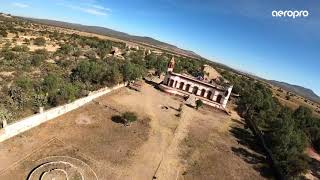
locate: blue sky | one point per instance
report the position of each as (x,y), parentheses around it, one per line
(239,33)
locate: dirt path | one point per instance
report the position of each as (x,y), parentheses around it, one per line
(170,165)
(163,122)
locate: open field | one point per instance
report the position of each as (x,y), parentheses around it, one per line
(203,144)
(295,101)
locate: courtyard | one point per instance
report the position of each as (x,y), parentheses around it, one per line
(167,142)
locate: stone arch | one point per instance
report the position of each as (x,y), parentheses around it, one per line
(226,93)
(171,82)
(167,82)
(195,90)
(181,85)
(219,98)
(203,91)
(209,95)
(188,87)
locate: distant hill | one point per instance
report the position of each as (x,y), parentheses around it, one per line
(302,91)
(117,34)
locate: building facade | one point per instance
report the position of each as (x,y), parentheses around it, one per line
(207,91)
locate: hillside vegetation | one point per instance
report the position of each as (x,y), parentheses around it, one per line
(43,67)
(121,35)
(304,92)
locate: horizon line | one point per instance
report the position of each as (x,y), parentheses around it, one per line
(199,54)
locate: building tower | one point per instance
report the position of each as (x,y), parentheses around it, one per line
(171,65)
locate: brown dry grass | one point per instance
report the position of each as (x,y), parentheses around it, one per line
(295,101)
(221,148)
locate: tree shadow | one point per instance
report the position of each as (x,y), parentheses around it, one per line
(117,119)
(246,138)
(251,152)
(238,121)
(247,156)
(315,168)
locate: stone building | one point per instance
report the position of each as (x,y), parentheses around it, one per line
(207,91)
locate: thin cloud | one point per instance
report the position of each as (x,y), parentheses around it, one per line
(20,5)
(99,7)
(90,9)
(94,12)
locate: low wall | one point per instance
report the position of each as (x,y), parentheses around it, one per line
(35,120)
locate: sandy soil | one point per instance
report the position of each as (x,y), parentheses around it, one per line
(49,46)
(161,144)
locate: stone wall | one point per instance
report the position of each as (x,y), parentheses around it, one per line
(37,119)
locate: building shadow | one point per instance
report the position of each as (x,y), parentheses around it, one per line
(173,108)
(152,83)
(250,151)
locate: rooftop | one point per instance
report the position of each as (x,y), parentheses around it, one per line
(213,85)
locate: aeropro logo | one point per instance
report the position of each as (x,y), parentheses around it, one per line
(292,14)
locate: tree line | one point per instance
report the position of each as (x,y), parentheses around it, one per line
(287,132)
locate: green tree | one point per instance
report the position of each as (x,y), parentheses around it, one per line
(65,49)
(19,96)
(40,99)
(89,72)
(67,93)
(132,71)
(102,52)
(5,115)
(22,48)
(112,74)
(199,103)
(52,83)
(37,59)
(24,82)
(302,113)
(39,41)
(3,33)
(43,52)
(129,117)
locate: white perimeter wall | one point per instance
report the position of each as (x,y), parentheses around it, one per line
(35,120)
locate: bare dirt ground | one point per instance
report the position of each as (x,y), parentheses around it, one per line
(164,143)
(314,172)
(222,150)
